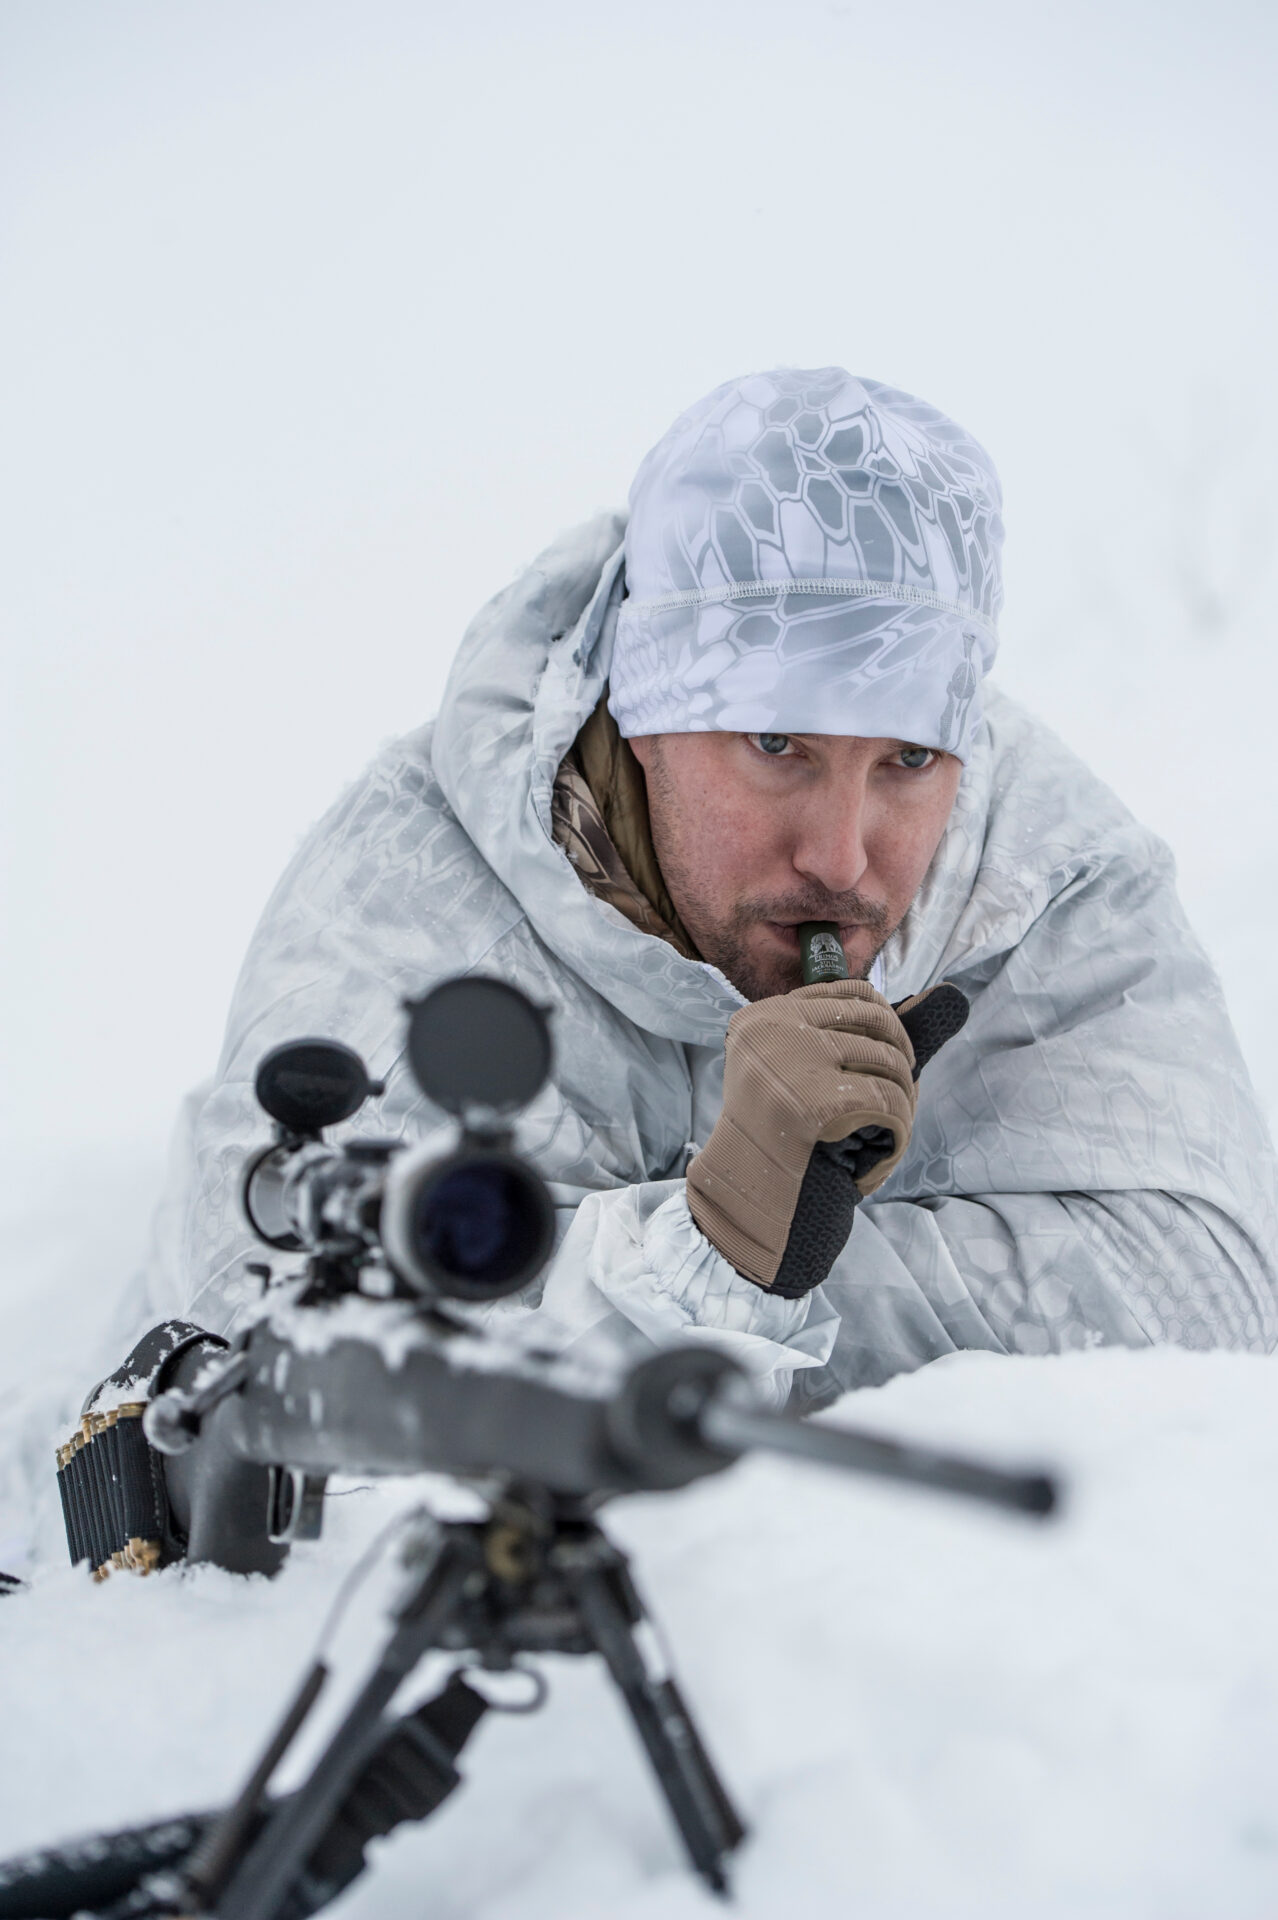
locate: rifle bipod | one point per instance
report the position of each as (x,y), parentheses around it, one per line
(538,1575)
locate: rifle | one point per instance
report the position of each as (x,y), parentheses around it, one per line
(370,1360)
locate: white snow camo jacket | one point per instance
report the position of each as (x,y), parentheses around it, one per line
(1088,1166)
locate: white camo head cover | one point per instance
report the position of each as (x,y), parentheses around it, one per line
(810,553)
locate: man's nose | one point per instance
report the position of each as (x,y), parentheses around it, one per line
(830,847)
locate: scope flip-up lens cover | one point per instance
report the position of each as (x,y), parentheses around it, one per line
(478,1043)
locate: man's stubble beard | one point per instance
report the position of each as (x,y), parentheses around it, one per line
(726,948)
(723,941)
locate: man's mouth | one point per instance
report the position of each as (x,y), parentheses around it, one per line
(788,930)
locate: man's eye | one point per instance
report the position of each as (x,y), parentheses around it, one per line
(773,743)
(915,757)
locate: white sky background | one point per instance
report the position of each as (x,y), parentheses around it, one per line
(317,320)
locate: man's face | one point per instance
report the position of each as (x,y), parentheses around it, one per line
(756,833)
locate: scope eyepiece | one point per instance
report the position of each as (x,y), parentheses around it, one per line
(475,1225)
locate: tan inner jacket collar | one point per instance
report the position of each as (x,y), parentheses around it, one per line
(599,813)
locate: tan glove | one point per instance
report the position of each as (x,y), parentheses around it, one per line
(827,1063)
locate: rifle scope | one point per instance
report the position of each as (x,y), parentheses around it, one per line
(472,1224)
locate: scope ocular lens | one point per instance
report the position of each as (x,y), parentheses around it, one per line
(482,1227)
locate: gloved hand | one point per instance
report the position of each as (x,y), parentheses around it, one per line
(818,1103)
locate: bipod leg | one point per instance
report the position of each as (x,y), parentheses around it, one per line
(260,1886)
(610,1610)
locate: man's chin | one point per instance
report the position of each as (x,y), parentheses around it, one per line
(762,981)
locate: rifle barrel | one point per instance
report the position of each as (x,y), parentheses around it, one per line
(739,1429)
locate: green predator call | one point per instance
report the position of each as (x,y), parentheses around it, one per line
(821,951)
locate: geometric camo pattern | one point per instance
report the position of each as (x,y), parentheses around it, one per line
(809,552)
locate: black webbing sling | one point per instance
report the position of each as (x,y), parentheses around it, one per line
(406,1777)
